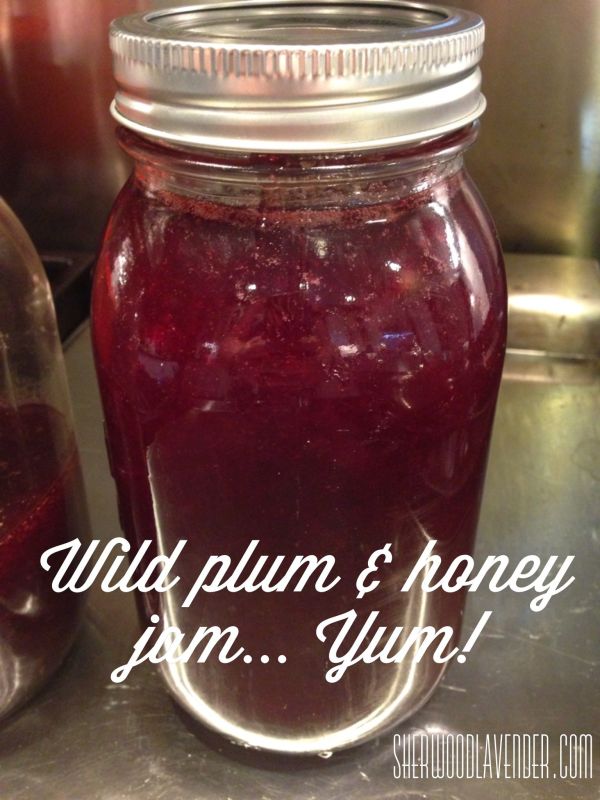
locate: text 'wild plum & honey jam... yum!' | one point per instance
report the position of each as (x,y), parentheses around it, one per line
(299,325)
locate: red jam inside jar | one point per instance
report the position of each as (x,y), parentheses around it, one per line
(306,351)
(41,506)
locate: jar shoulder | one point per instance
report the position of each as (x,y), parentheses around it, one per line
(409,293)
(443,234)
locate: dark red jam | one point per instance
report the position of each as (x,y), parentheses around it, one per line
(40,507)
(320,376)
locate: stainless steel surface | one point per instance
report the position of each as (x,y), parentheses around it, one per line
(554,305)
(292,76)
(87,738)
(538,159)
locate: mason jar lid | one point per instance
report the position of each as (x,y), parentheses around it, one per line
(287,76)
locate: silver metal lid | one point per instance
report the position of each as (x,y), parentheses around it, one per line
(296,76)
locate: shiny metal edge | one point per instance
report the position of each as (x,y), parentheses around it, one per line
(228,91)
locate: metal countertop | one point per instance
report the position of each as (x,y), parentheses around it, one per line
(85,738)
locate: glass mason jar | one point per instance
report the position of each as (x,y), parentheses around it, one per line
(299,327)
(41,492)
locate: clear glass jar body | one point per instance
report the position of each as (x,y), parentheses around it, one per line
(304,351)
(41,492)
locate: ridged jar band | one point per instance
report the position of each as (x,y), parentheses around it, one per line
(289,76)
